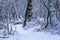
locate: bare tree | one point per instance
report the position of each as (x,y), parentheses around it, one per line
(28,12)
(52,12)
(48,15)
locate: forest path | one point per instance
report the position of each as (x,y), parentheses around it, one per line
(22,34)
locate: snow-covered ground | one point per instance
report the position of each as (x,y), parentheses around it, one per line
(33,36)
(22,34)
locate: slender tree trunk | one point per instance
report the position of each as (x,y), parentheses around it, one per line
(28,12)
(17,16)
(48,15)
(7,16)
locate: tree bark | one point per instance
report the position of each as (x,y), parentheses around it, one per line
(28,12)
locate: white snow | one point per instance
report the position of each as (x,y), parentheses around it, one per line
(22,34)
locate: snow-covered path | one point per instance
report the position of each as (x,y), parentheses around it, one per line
(22,34)
(39,36)
(33,36)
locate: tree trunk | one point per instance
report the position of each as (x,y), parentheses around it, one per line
(28,12)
